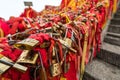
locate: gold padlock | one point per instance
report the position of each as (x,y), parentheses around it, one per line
(26,44)
(67,43)
(26,58)
(55,67)
(6,63)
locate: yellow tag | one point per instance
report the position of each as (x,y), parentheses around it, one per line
(63,78)
(1,33)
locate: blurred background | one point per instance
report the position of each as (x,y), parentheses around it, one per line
(16,7)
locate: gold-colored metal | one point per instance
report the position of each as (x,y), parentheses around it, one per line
(55,69)
(24,57)
(3,67)
(26,44)
(68,41)
(6,63)
(20,67)
(67,44)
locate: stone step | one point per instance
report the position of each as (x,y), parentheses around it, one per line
(110,53)
(117,15)
(115,21)
(112,38)
(118,10)
(114,28)
(100,70)
(113,34)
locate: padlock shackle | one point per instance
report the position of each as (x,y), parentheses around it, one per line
(50,51)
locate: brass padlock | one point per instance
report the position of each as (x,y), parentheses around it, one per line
(55,67)
(25,57)
(67,43)
(26,44)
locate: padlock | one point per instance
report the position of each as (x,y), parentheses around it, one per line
(6,63)
(55,67)
(27,57)
(26,44)
(67,44)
